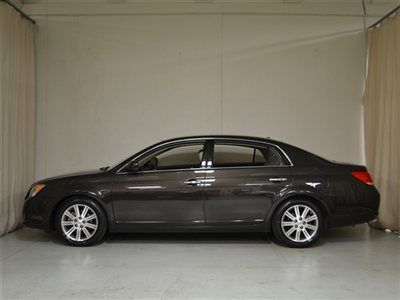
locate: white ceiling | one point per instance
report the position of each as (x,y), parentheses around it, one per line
(207,1)
(374,8)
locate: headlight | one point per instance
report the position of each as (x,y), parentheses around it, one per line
(35,190)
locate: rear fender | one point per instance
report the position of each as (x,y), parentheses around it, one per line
(299,193)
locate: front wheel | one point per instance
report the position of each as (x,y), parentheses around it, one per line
(81,222)
(297,223)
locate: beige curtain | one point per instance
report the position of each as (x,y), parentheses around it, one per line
(17,111)
(382,118)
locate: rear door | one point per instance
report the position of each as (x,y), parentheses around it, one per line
(242,181)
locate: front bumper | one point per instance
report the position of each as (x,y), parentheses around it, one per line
(35,215)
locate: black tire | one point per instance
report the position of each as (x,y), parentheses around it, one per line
(100,221)
(304,241)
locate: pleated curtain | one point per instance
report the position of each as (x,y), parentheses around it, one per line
(382,118)
(17,113)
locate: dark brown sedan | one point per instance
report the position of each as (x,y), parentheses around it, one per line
(207,183)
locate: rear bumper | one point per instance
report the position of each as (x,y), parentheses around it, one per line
(345,216)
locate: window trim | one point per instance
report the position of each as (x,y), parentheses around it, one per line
(208,151)
(250,144)
(171,145)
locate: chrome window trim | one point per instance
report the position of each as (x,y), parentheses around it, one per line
(262,143)
(160,146)
(247,167)
(204,139)
(203,169)
(162,171)
(284,153)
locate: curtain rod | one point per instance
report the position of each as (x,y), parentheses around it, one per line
(394,10)
(24,15)
(370,27)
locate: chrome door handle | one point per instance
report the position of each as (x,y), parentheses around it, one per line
(277,179)
(191,182)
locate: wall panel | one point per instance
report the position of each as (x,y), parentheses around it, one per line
(110,85)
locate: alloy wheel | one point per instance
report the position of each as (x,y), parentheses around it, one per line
(79,222)
(299,223)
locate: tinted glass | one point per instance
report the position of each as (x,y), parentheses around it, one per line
(180,157)
(273,158)
(227,155)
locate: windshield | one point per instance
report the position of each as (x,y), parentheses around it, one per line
(106,168)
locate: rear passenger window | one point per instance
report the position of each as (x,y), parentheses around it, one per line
(228,155)
(273,158)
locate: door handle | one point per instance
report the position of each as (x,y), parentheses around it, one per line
(191,182)
(277,179)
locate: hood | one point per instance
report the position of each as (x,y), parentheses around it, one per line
(71,175)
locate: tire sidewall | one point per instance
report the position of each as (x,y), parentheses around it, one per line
(102,221)
(277,229)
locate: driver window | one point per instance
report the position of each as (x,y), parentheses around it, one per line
(179,157)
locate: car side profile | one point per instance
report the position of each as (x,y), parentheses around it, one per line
(207,183)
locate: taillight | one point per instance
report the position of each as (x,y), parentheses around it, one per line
(363,176)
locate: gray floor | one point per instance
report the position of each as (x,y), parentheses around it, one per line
(352,262)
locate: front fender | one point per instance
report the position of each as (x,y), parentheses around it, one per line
(100,196)
(41,209)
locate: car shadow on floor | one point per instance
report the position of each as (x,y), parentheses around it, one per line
(335,235)
(189,238)
(357,233)
(36,235)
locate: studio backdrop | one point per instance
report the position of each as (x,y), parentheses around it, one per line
(17,103)
(382,118)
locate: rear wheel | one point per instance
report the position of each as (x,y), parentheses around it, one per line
(81,222)
(297,223)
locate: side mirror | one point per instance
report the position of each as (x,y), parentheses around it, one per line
(133,166)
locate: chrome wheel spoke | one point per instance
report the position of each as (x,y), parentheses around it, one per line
(290,231)
(297,238)
(312,227)
(67,223)
(90,218)
(78,234)
(84,212)
(69,215)
(76,209)
(306,234)
(91,226)
(287,223)
(290,216)
(305,212)
(297,211)
(70,231)
(86,232)
(311,218)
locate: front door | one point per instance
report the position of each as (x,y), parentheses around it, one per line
(242,183)
(162,187)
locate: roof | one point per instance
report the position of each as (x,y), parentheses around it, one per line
(224,136)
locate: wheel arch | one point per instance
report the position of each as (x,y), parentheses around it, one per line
(74,196)
(315,200)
